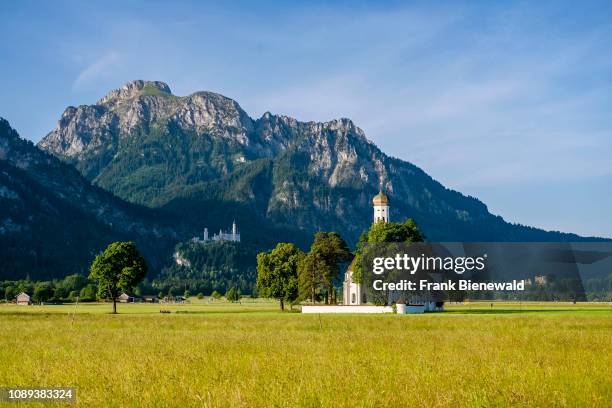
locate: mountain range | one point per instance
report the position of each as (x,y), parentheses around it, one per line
(53,221)
(166,166)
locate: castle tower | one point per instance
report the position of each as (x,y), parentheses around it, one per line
(234,231)
(381,207)
(205,234)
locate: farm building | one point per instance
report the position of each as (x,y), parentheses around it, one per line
(23,299)
(125,298)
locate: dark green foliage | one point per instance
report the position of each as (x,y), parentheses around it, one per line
(233,294)
(43,291)
(407,231)
(213,266)
(277,273)
(321,267)
(118,269)
(88,293)
(310,276)
(10,293)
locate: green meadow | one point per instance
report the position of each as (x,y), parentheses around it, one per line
(252,355)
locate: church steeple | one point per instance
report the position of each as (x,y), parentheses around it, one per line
(381,207)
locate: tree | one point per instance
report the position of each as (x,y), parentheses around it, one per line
(43,291)
(385,232)
(74,282)
(187,294)
(10,293)
(88,293)
(60,293)
(118,269)
(277,273)
(310,276)
(233,294)
(73,295)
(216,295)
(330,251)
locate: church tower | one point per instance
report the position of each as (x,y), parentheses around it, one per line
(381,207)
(354,293)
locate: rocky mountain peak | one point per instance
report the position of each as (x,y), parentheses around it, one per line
(136,88)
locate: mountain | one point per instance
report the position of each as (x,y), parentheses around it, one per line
(53,221)
(201,156)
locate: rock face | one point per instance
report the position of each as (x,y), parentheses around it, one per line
(53,221)
(201,156)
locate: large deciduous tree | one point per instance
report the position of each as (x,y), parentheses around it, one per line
(118,269)
(277,273)
(407,231)
(330,250)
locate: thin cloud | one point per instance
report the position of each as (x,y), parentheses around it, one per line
(100,69)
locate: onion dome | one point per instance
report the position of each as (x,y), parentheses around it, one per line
(380,199)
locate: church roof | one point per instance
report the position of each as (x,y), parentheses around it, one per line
(380,199)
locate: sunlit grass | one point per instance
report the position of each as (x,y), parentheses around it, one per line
(250,354)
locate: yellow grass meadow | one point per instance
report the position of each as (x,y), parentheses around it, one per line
(251,355)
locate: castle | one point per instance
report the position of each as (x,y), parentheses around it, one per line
(233,236)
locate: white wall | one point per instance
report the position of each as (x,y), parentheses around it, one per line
(347,309)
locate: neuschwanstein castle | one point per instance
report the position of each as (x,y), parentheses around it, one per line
(233,235)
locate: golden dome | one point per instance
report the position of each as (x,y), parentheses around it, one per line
(380,199)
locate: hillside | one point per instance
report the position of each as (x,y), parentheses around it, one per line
(203,157)
(53,221)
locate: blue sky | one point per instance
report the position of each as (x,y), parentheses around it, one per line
(510,102)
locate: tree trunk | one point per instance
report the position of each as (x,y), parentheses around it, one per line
(312,294)
(282,304)
(114,306)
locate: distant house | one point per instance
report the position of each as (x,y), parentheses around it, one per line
(150,299)
(125,298)
(173,299)
(23,299)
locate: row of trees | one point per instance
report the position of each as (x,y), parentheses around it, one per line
(288,274)
(58,290)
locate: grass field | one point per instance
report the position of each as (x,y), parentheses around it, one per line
(250,354)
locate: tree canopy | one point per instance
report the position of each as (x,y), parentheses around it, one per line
(322,265)
(381,231)
(118,269)
(277,273)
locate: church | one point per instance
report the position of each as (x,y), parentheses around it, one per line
(354,294)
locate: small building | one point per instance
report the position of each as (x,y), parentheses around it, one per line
(125,298)
(150,299)
(23,299)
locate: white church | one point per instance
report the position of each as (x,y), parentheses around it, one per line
(354,294)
